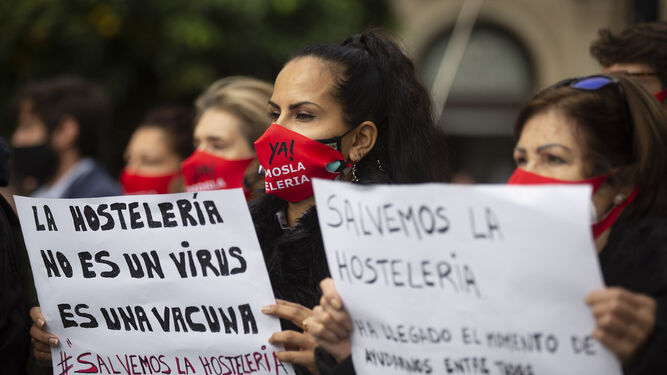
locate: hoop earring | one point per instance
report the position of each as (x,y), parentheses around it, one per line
(355,179)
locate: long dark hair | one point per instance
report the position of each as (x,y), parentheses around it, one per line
(634,154)
(377,83)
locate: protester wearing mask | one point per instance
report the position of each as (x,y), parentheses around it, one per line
(353,112)
(155,151)
(62,123)
(606,131)
(639,51)
(231,116)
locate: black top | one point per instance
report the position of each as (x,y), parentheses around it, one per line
(635,258)
(295,257)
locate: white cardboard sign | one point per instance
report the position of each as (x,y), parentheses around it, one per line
(448,279)
(152,284)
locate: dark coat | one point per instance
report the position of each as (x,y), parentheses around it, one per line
(294,258)
(95,183)
(635,258)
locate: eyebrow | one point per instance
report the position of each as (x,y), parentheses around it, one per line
(544,147)
(295,105)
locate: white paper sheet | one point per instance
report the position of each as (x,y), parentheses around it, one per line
(448,279)
(116,311)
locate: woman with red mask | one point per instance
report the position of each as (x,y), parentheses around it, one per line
(609,132)
(155,151)
(231,116)
(354,112)
(606,131)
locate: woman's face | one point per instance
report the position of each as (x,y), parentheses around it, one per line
(219,133)
(301,101)
(548,146)
(148,152)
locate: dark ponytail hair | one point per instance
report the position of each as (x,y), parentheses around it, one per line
(376,82)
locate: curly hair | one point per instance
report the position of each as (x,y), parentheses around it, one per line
(642,43)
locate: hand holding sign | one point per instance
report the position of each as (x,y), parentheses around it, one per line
(299,346)
(41,340)
(624,320)
(331,325)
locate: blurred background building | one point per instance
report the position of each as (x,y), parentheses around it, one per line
(514,48)
(153,52)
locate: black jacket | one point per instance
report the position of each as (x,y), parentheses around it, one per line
(635,258)
(294,258)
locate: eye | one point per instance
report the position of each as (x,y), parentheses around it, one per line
(218,146)
(302,116)
(553,159)
(273,115)
(519,160)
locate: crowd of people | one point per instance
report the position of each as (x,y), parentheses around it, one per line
(357,112)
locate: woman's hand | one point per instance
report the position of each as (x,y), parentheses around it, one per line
(300,347)
(41,340)
(624,320)
(331,325)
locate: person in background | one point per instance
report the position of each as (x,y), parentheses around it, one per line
(639,51)
(231,115)
(606,131)
(155,151)
(62,123)
(353,112)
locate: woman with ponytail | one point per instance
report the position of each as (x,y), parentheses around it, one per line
(354,112)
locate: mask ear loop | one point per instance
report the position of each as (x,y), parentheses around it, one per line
(339,166)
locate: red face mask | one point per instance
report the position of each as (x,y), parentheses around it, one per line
(135,183)
(523,177)
(205,171)
(661,95)
(291,160)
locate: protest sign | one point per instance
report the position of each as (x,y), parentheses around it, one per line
(448,279)
(152,284)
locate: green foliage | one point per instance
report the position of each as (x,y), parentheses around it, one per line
(149,52)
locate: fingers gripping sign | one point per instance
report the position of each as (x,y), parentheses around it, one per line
(41,340)
(624,320)
(300,346)
(331,325)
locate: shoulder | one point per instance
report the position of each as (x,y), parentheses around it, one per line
(635,256)
(94,183)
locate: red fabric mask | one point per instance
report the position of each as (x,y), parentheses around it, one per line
(205,171)
(523,177)
(135,183)
(661,95)
(291,160)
